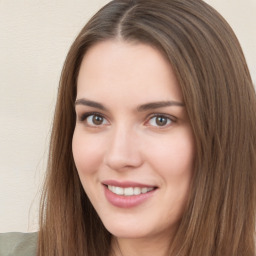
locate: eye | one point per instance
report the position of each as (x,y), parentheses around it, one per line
(94,119)
(160,121)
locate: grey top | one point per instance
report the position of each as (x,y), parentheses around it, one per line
(18,244)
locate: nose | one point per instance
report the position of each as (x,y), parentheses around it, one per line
(123,151)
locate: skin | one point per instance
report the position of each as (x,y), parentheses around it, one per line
(126,142)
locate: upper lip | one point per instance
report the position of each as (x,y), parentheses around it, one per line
(126,184)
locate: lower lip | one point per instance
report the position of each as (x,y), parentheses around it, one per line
(127,201)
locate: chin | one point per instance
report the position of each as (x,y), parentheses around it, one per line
(125,229)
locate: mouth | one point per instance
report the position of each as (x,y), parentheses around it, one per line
(129,191)
(128,194)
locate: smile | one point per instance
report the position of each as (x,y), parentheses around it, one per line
(130,191)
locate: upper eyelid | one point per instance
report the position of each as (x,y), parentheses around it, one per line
(79,111)
(84,115)
(173,118)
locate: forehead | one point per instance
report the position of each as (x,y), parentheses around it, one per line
(117,68)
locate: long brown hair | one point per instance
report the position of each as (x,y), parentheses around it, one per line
(220,100)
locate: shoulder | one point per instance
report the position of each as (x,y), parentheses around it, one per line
(18,244)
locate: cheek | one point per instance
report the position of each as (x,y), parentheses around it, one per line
(87,152)
(174,155)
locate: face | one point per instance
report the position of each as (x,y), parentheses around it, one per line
(133,145)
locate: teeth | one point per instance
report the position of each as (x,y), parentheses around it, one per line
(129,191)
(144,190)
(136,191)
(119,191)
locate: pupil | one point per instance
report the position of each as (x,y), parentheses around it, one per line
(97,120)
(161,121)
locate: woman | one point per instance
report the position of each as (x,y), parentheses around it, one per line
(153,143)
(123,57)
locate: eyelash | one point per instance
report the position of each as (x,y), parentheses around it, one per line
(170,119)
(84,116)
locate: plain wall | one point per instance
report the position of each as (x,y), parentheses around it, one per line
(34,39)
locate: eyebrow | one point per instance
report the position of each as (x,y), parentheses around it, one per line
(141,108)
(159,104)
(90,103)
